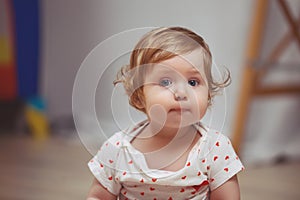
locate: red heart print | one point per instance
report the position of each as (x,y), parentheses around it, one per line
(197,187)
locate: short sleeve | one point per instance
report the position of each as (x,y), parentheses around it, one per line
(223,161)
(103,165)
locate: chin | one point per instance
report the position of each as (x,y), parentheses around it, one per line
(180,124)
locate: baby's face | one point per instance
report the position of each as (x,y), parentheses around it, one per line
(176,91)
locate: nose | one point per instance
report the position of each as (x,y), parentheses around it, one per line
(180,93)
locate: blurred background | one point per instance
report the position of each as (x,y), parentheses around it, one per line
(44,42)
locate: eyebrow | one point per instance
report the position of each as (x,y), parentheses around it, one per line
(190,71)
(194,71)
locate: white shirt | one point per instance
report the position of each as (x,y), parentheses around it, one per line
(123,170)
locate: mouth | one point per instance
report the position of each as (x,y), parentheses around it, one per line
(179,110)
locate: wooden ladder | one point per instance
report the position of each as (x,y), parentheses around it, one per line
(254,72)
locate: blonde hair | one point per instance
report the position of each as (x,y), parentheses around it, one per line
(159,45)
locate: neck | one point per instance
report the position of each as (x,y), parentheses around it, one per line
(168,133)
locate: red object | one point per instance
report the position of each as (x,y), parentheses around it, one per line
(8,77)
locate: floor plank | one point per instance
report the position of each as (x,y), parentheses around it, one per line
(56,169)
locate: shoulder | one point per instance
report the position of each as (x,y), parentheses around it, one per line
(216,138)
(214,141)
(114,144)
(211,137)
(109,150)
(115,140)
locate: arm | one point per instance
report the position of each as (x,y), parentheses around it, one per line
(98,192)
(228,191)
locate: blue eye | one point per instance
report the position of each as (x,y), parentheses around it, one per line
(165,82)
(193,82)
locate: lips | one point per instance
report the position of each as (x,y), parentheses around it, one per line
(180,109)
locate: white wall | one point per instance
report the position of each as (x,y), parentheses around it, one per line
(72,28)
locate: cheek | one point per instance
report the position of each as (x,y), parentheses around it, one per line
(152,100)
(204,104)
(156,112)
(203,107)
(201,102)
(156,95)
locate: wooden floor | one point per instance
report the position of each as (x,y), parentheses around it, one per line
(56,169)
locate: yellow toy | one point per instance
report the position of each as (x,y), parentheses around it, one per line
(36,118)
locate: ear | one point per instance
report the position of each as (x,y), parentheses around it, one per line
(139,106)
(140,103)
(137,101)
(209,99)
